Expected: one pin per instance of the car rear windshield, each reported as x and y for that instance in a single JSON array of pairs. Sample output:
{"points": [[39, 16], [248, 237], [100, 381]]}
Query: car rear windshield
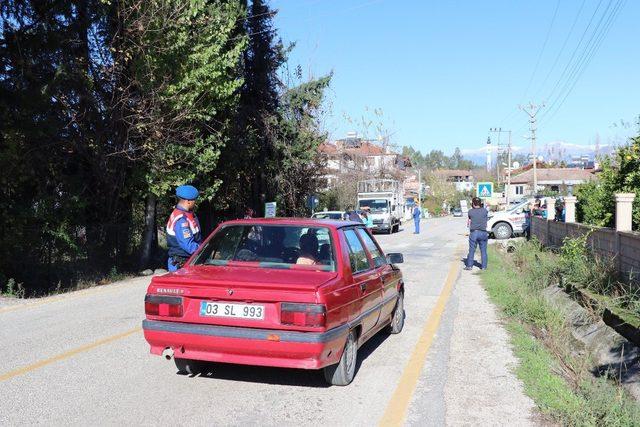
{"points": [[327, 215], [270, 246]]}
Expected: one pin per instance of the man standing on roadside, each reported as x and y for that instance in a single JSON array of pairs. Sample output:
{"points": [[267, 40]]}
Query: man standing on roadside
{"points": [[478, 235], [417, 213], [183, 228]]}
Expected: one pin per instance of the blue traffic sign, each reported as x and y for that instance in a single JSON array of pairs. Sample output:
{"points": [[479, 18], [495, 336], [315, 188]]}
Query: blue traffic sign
{"points": [[313, 201], [484, 190]]}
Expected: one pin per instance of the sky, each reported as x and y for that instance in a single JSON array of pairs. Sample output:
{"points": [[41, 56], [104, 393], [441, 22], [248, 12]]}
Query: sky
{"points": [[444, 72]]}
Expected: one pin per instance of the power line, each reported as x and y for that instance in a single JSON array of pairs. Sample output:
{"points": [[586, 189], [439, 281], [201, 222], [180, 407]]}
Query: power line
{"points": [[561, 51], [575, 51], [544, 45], [580, 66], [587, 59], [513, 112]]}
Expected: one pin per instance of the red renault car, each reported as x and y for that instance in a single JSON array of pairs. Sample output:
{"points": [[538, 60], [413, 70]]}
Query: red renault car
{"points": [[296, 293]]}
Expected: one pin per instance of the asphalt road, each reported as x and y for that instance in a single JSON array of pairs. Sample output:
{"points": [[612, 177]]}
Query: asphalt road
{"points": [[81, 358]]}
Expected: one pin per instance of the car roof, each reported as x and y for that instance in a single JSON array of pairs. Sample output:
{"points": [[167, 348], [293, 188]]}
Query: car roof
{"points": [[300, 222]]}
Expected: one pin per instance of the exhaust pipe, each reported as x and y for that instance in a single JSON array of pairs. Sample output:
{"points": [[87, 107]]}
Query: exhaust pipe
{"points": [[167, 353]]}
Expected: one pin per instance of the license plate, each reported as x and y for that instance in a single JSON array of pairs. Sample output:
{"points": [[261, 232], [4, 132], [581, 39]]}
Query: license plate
{"points": [[241, 311]]}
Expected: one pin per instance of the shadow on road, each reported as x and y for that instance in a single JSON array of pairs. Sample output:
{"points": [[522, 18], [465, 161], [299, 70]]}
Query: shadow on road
{"points": [[280, 376], [476, 263]]}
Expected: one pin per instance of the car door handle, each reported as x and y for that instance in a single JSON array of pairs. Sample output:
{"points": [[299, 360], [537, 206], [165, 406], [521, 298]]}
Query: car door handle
{"points": [[363, 286]]}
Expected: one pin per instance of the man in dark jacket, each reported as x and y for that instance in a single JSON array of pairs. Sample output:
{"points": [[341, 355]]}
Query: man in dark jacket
{"points": [[478, 235]]}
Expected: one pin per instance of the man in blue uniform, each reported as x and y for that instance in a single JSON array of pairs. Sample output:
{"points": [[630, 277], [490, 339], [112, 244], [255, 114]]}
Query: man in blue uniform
{"points": [[416, 214], [183, 228]]}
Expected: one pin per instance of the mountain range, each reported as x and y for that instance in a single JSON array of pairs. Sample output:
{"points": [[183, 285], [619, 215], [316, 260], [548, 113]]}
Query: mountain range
{"points": [[556, 150]]}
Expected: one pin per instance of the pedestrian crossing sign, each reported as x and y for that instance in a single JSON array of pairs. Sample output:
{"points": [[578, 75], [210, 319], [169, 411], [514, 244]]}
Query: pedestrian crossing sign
{"points": [[484, 190]]}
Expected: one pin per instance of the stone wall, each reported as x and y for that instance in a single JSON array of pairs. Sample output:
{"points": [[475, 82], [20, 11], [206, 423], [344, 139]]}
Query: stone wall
{"points": [[621, 246]]}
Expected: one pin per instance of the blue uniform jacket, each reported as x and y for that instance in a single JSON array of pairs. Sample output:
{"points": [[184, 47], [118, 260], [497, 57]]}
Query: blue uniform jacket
{"points": [[416, 213], [183, 233]]}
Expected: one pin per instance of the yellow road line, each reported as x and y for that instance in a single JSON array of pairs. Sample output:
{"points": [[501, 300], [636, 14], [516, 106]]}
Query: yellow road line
{"points": [[396, 410], [68, 296], [66, 355]]}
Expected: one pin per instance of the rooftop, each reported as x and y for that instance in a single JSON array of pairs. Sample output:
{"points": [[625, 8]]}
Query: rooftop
{"points": [[453, 172], [554, 174]]}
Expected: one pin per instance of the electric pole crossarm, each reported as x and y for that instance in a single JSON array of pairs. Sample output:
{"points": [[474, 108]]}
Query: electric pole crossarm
{"points": [[532, 111]]}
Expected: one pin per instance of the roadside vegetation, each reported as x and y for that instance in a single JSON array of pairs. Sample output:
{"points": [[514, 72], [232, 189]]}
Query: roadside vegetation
{"points": [[106, 106], [620, 173], [555, 376]]}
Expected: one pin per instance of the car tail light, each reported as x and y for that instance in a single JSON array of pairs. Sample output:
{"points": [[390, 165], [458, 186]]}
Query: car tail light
{"points": [[160, 305], [303, 314]]}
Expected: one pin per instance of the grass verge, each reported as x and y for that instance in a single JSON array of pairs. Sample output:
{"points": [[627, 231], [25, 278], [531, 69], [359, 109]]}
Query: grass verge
{"points": [[554, 376]]}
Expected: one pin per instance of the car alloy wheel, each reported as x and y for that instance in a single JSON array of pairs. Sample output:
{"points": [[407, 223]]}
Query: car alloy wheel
{"points": [[397, 321], [502, 231], [343, 372]]}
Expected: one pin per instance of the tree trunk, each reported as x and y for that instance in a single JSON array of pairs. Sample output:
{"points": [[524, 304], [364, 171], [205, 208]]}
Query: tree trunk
{"points": [[150, 236]]}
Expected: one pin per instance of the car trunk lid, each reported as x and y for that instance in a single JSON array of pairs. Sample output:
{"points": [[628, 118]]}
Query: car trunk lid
{"points": [[219, 294]]}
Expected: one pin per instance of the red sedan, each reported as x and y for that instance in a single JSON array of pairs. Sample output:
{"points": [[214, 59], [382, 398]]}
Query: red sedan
{"points": [[296, 293]]}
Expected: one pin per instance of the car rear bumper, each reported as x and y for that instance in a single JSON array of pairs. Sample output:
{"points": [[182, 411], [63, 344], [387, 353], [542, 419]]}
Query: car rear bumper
{"points": [[246, 346], [381, 226]]}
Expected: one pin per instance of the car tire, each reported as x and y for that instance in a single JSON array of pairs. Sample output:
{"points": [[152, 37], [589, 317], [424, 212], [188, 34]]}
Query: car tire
{"points": [[502, 231], [397, 319], [188, 366], [342, 373]]}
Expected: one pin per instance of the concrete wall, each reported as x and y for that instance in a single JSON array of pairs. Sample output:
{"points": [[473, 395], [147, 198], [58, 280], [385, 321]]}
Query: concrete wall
{"points": [[622, 247]]}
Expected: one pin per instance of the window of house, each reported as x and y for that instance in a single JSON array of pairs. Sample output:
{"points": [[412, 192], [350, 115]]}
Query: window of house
{"points": [[519, 189]]}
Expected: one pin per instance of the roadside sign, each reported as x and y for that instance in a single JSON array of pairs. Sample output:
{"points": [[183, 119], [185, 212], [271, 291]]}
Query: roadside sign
{"points": [[484, 190], [270, 210], [312, 201]]}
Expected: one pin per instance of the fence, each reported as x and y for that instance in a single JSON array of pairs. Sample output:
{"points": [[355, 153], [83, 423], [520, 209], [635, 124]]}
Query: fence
{"points": [[621, 246]]}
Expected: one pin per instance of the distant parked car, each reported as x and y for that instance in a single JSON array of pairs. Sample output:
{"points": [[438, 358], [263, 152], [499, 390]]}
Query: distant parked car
{"points": [[293, 293], [328, 215], [457, 212]]}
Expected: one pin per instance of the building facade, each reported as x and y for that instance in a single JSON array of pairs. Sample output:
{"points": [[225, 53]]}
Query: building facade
{"points": [[562, 180]]}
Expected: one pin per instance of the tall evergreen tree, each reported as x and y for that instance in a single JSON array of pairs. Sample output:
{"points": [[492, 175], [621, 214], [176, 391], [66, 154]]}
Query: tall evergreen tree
{"points": [[178, 64], [248, 181]]}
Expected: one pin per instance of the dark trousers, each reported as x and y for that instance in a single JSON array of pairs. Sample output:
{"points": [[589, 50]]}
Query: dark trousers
{"points": [[478, 238]]}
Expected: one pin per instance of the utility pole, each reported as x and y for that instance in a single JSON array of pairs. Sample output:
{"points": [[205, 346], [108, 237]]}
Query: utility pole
{"points": [[509, 169], [420, 189], [532, 110], [508, 186], [488, 154]]}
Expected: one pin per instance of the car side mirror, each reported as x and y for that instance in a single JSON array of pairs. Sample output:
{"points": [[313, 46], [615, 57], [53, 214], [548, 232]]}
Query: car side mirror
{"points": [[395, 258]]}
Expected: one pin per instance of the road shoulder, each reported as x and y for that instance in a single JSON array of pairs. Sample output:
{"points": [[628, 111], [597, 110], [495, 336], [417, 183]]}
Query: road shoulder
{"points": [[481, 386]]}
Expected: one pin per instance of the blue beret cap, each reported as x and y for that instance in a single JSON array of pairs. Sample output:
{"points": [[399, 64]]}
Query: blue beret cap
{"points": [[187, 192]]}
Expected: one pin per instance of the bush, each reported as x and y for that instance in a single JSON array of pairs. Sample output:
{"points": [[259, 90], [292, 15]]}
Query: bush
{"points": [[620, 174]]}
